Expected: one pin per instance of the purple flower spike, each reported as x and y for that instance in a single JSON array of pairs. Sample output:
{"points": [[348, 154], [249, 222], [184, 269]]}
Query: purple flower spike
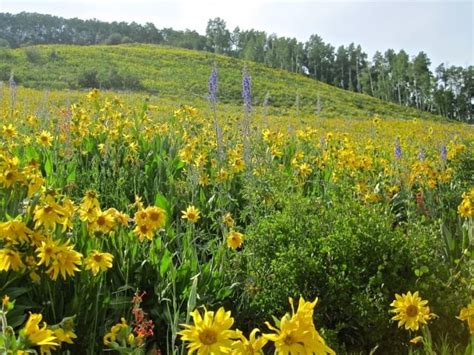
{"points": [[398, 150], [247, 89], [444, 153], [212, 85]]}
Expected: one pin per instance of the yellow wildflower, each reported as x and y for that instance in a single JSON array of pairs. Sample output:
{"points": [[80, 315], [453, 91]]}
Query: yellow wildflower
{"points": [[410, 310], [467, 314], [210, 334], [39, 336], [192, 214], [235, 239], [10, 259], [97, 261]]}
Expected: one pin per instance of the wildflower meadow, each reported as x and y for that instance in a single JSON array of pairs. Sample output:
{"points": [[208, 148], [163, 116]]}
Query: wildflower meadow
{"points": [[137, 224]]}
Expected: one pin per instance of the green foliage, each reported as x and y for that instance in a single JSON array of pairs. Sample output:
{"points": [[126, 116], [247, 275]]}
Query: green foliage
{"points": [[4, 43], [314, 235], [33, 55], [5, 71], [108, 78], [114, 39], [350, 256]]}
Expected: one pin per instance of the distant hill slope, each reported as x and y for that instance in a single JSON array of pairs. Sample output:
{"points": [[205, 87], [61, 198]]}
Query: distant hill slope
{"points": [[178, 72]]}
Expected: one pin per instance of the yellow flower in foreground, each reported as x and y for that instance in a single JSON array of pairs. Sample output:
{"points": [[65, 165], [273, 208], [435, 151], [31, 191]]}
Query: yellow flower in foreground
{"points": [[114, 332], [297, 334], [15, 232], [36, 182], [410, 310], [104, 222], [47, 251], [97, 261], [467, 314], [39, 336], [305, 170], [211, 334], [156, 216], [235, 239], [250, 346], [64, 336], [144, 231], [45, 139], [48, 216], [60, 259], [10, 259], [192, 214], [466, 208], [9, 131]]}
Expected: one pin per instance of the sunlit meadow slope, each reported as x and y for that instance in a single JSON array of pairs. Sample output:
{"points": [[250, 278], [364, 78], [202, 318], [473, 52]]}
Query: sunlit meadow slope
{"points": [[182, 74]]}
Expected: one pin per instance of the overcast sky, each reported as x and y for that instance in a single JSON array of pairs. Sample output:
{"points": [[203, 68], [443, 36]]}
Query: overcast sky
{"points": [[443, 28]]}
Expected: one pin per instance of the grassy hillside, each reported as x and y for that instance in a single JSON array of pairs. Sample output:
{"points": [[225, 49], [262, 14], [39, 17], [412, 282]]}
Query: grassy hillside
{"points": [[170, 72]]}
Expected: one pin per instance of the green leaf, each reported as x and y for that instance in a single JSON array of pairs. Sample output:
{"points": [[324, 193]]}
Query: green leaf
{"points": [[162, 202], [71, 177], [165, 262], [421, 271], [15, 292], [48, 167], [17, 316], [192, 297]]}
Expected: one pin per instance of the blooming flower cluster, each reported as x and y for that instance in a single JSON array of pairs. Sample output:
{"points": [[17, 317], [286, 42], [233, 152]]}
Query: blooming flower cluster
{"points": [[211, 333]]}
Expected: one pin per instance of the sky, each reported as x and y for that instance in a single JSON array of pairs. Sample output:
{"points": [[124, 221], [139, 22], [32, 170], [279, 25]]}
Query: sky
{"points": [[444, 29]]}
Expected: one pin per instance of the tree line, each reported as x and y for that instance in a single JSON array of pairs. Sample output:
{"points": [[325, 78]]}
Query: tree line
{"points": [[391, 76]]}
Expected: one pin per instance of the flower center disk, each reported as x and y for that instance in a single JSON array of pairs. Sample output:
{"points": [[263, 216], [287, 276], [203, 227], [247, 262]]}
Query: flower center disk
{"points": [[208, 337], [412, 311]]}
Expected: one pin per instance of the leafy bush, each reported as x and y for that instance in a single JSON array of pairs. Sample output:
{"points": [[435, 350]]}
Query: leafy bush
{"points": [[88, 79], [349, 256], [5, 71], [33, 55], [108, 79], [114, 39], [4, 43]]}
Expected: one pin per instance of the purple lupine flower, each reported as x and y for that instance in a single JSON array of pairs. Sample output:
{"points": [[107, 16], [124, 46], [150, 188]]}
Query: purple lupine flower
{"points": [[247, 89], [398, 149], [212, 85], [11, 82], [444, 152], [421, 154]]}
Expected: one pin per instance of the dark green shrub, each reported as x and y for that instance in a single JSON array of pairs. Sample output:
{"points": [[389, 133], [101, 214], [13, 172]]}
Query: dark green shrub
{"points": [[349, 256], [53, 55], [5, 71], [121, 80], [5, 54], [4, 43], [114, 39], [33, 55], [88, 79]]}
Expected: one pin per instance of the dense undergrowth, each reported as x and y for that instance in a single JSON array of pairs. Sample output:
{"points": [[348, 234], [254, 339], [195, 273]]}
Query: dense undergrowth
{"points": [[350, 211]]}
